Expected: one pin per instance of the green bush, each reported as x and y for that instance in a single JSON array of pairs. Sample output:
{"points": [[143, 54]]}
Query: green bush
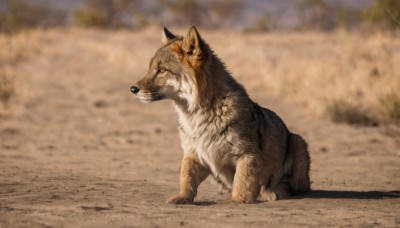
{"points": [[19, 15], [384, 14], [107, 13], [92, 17]]}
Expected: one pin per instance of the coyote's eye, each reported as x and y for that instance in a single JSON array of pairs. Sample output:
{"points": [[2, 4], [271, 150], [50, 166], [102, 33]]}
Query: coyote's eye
{"points": [[161, 70]]}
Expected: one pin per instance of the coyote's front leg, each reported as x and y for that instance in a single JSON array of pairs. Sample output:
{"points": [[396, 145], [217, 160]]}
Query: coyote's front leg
{"points": [[192, 174], [246, 184]]}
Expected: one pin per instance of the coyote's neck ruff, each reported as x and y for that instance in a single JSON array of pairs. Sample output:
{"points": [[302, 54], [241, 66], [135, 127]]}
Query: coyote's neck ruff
{"points": [[245, 147]]}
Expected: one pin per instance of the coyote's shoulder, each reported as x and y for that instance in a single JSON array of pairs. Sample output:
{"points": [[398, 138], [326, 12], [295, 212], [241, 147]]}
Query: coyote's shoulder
{"points": [[245, 147]]}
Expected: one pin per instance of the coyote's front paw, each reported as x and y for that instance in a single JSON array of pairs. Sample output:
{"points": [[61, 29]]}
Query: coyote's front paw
{"points": [[180, 199], [268, 195]]}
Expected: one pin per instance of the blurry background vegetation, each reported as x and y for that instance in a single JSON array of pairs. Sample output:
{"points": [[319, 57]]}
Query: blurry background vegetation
{"points": [[325, 15], [359, 17]]}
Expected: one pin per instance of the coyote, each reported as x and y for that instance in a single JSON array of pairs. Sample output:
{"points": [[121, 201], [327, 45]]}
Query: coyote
{"points": [[245, 147]]}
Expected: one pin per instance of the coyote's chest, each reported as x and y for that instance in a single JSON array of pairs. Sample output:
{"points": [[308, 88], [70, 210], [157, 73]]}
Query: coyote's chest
{"points": [[214, 152], [213, 149]]}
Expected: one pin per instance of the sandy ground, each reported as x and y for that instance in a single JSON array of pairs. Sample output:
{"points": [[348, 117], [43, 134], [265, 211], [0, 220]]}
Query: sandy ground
{"points": [[78, 150]]}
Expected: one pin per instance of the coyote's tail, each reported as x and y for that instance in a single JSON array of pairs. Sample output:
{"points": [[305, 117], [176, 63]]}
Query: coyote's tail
{"points": [[299, 181]]}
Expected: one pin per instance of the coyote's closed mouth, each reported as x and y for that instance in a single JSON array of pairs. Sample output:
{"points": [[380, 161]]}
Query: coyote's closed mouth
{"points": [[146, 97]]}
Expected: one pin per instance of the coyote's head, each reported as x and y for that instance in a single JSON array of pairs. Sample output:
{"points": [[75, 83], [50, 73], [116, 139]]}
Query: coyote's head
{"points": [[177, 71]]}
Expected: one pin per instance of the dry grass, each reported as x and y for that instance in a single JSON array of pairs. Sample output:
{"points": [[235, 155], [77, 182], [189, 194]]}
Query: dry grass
{"points": [[348, 77], [14, 49]]}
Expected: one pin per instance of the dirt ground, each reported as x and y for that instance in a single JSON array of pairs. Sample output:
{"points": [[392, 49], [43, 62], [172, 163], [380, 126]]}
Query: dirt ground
{"points": [[79, 150]]}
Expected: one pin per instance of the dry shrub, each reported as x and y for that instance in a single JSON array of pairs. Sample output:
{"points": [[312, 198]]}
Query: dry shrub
{"points": [[11, 53], [390, 105], [17, 47], [344, 112], [6, 88]]}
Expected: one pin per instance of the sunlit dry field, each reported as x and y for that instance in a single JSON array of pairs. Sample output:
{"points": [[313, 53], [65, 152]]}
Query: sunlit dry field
{"points": [[77, 148]]}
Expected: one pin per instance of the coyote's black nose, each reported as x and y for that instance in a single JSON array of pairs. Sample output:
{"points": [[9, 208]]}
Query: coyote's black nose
{"points": [[134, 89]]}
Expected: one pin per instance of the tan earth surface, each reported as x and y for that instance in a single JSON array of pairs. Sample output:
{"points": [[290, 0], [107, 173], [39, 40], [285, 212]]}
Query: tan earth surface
{"points": [[78, 149]]}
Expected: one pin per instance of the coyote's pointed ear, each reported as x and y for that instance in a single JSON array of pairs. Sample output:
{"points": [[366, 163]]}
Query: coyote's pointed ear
{"points": [[193, 45], [167, 36]]}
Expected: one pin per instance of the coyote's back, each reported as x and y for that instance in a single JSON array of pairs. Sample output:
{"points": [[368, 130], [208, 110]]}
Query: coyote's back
{"points": [[246, 148]]}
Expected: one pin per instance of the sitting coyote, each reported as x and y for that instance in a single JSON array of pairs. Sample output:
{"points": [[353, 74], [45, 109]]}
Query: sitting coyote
{"points": [[245, 147]]}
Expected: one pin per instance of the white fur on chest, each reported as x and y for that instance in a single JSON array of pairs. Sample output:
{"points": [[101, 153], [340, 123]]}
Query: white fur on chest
{"points": [[202, 137]]}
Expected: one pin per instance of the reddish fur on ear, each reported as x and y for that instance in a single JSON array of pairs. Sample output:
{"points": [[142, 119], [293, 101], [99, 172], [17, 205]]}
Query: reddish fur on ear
{"points": [[194, 65], [194, 48]]}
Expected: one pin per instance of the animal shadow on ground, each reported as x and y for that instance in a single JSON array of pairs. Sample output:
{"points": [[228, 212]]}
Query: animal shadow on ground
{"points": [[329, 194], [324, 194], [204, 203]]}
